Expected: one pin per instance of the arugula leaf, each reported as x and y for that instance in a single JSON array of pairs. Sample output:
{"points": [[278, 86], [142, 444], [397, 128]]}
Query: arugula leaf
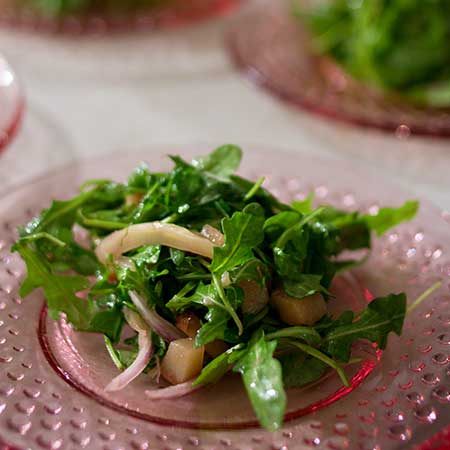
{"points": [[59, 290], [218, 317], [140, 178], [322, 357], [304, 285], [186, 183], [304, 206], [387, 218], [134, 279], [270, 203], [243, 232], [277, 224], [383, 315], [263, 380], [221, 162], [327, 324], [62, 212], [353, 232], [253, 269], [216, 327], [109, 323], [300, 369], [204, 295], [292, 248], [219, 366]]}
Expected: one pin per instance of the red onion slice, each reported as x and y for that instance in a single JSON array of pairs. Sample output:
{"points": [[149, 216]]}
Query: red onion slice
{"points": [[178, 390], [213, 235], [81, 236], [135, 321], [139, 364], [159, 325]]}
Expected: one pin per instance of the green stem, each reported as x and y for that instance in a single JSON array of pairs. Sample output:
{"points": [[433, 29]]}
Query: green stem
{"points": [[423, 296], [354, 361], [194, 276], [43, 235], [97, 183], [254, 189], [112, 353], [185, 290], [259, 316], [229, 308], [293, 332], [170, 219], [103, 224]]}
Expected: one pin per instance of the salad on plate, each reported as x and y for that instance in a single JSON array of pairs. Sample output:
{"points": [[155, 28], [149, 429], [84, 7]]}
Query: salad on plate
{"points": [[62, 8], [198, 272], [397, 46]]}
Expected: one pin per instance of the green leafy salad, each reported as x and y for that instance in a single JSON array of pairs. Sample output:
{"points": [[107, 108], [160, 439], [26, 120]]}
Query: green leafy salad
{"points": [[60, 8], [210, 273], [398, 46]]}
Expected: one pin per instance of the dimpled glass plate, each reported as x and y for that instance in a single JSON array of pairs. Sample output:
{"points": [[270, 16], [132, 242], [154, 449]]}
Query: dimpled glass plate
{"points": [[52, 378], [11, 103], [273, 49], [174, 13]]}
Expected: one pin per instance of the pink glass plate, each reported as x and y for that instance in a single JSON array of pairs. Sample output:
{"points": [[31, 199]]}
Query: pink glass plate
{"points": [[272, 49], [11, 103], [51, 380], [176, 13]]}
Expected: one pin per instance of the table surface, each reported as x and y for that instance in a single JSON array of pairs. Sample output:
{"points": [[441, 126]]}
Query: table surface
{"points": [[91, 96]]}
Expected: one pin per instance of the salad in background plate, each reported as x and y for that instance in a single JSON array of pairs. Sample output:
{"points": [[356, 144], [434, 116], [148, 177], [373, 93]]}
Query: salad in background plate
{"points": [[396, 46], [61, 8]]}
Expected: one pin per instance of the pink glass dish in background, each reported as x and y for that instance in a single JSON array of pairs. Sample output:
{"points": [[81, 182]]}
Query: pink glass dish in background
{"points": [[175, 14], [272, 48], [52, 378], [11, 103]]}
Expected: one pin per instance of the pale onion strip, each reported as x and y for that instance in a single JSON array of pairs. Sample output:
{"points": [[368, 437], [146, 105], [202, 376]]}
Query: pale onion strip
{"points": [[81, 236], [135, 321], [158, 369], [126, 263], [160, 325], [139, 364], [213, 235], [152, 233], [155, 372], [178, 390]]}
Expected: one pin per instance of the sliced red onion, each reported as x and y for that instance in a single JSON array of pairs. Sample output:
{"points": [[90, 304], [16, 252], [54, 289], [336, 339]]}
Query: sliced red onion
{"points": [[139, 364], [213, 235], [81, 236], [135, 321], [178, 390], [158, 369], [159, 325], [155, 373]]}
